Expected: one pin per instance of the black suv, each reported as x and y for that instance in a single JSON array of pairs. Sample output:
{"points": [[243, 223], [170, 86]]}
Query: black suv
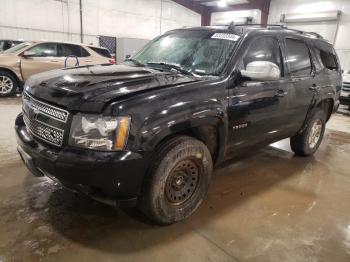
{"points": [[149, 131]]}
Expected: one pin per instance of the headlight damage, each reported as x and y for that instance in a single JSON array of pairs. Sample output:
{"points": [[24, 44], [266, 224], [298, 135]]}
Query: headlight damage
{"points": [[99, 132]]}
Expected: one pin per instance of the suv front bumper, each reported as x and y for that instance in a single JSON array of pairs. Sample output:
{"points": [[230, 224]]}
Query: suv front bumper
{"points": [[105, 176]]}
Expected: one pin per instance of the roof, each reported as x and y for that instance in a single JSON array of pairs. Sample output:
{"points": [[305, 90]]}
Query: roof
{"points": [[242, 29], [63, 42]]}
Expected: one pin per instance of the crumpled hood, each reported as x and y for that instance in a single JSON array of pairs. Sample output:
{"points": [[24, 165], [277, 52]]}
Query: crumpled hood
{"points": [[90, 88]]}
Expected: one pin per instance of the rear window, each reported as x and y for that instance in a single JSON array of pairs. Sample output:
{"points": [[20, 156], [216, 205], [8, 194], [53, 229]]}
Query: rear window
{"points": [[102, 51], [72, 50]]}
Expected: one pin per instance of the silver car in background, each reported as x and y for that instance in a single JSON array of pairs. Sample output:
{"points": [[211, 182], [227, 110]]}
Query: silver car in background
{"points": [[345, 92]]}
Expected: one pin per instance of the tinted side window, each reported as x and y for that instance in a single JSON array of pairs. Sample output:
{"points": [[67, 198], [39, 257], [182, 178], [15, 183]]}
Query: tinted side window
{"points": [[101, 51], [8, 44], [263, 49], [329, 60], [298, 58], [43, 50], [75, 50]]}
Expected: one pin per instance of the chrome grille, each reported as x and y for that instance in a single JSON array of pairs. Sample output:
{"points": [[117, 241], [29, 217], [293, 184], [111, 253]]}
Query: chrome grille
{"points": [[48, 133], [43, 120], [46, 109]]}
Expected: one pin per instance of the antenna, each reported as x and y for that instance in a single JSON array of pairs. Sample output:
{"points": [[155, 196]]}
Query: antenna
{"points": [[232, 26]]}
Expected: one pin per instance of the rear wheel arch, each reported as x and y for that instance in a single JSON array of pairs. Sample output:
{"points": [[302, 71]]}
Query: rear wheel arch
{"points": [[327, 106]]}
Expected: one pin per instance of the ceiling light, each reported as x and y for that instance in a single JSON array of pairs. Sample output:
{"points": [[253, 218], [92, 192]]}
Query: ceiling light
{"points": [[222, 3]]}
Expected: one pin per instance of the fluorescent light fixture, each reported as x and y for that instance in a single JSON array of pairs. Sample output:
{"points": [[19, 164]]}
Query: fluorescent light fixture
{"points": [[236, 20], [311, 17], [222, 3]]}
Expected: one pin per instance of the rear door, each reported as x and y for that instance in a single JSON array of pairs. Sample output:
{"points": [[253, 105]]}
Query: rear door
{"points": [[44, 58], [301, 74]]}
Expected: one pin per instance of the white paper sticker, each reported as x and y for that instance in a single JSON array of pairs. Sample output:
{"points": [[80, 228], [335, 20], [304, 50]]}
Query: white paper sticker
{"points": [[225, 36]]}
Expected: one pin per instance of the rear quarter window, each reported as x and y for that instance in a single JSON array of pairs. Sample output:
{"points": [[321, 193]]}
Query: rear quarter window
{"points": [[328, 60], [327, 56], [102, 51]]}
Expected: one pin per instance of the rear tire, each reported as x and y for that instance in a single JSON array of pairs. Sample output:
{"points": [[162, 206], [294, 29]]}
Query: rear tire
{"points": [[8, 84], [307, 142], [177, 181]]}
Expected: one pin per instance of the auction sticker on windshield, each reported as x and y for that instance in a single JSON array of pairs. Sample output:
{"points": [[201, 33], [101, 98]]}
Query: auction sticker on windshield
{"points": [[231, 37]]}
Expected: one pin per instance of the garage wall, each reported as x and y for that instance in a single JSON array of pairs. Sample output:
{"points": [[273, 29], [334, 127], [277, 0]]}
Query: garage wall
{"points": [[342, 42], [59, 19]]}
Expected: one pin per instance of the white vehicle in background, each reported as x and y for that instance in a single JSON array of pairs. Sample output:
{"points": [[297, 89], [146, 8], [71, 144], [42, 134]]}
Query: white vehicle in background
{"points": [[345, 92]]}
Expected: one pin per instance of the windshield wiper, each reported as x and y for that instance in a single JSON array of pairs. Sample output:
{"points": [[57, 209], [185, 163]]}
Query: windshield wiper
{"points": [[170, 66], [134, 61]]}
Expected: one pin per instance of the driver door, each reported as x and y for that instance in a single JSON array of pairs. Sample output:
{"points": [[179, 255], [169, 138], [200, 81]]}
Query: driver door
{"points": [[42, 57], [258, 110]]}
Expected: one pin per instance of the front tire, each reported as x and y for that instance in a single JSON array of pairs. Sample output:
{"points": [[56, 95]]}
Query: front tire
{"points": [[8, 84], [178, 180], [307, 142]]}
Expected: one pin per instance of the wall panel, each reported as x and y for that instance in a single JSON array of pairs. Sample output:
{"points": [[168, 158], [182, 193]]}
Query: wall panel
{"points": [[59, 19]]}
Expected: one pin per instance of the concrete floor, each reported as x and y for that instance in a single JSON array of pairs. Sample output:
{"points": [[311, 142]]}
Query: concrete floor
{"points": [[270, 206]]}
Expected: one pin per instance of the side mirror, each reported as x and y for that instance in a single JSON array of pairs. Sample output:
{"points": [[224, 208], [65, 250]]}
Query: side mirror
{"points": [[262, 71], [127, 56], [28, 54]]}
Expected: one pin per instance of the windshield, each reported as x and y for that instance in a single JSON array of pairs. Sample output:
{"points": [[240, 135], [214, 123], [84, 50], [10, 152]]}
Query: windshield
{"points": [[16, 48], [199, 52]]}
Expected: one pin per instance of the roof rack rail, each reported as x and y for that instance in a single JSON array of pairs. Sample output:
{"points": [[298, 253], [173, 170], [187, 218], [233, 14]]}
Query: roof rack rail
{"points": [[262, 25], [232, 26], [315, 34], [306, 33]]}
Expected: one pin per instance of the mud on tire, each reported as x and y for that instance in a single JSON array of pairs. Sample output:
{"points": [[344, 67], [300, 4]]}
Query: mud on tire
{"points": [[302, 143], [177, 181]]}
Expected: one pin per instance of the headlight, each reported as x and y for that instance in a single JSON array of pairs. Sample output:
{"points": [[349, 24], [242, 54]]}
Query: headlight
{"points": [[99, 132]]}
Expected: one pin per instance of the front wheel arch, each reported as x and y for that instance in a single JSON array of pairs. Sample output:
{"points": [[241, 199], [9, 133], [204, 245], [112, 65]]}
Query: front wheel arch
{"points": [[18, 82], [14, 79], [202, 130]]}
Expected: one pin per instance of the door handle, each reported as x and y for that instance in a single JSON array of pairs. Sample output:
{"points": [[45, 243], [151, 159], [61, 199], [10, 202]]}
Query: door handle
{"points": [[54, 61], [88, 61], [280, 93]]}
